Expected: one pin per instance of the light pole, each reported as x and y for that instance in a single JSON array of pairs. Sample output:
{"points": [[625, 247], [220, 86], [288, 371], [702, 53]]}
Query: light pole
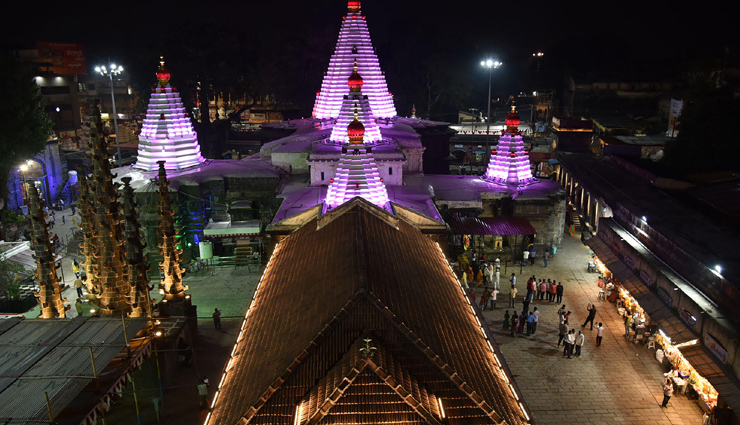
{"points": [[490, 64], [111, 70]]}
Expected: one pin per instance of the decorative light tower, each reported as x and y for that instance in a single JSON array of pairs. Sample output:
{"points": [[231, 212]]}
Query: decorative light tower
{"points": [[171, 282], [355, 106], [357, 174], [509, 163], [137, 263], [354, 42], [110, 268], [89, 236], [167, 133], [50, 294]]}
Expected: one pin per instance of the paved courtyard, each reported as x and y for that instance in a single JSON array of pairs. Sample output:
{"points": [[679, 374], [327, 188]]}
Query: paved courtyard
{"points": [[618, 383]]}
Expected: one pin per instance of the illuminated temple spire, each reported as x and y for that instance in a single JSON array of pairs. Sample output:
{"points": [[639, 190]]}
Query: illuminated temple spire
{"points": [[137, 262], [355, 106], [169, 267], [357, 173], [353, 43], [509, 162], [50, 294], [167, 133], [109, 269]]}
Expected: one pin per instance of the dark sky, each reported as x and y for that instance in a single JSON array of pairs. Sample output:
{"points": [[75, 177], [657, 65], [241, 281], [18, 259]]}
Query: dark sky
{"points": [[649, 35]]}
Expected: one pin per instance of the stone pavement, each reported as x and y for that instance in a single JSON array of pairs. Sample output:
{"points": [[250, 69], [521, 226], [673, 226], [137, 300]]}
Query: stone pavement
{"points": [[617, 383]]}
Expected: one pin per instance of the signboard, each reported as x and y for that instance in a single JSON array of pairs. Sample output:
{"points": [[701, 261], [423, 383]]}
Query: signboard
{"points": [[665, 297], [628, 261], [716, 348], [688, 318], [616, 248], [63, 58], [673, 117], [645, 278]]}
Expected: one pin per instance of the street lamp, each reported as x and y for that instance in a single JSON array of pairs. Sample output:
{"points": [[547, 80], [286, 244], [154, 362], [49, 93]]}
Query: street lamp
{"points": [[490, 64], [110, 71]]}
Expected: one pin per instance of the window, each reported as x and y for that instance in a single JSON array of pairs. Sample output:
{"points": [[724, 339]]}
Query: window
{"points": [[322, 176], [390, 171]]}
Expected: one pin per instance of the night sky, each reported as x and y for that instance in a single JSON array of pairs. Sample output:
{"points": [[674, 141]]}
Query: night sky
{"points": [[631, 37]]}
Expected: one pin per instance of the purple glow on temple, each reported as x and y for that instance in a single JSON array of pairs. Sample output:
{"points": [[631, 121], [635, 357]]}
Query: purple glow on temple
{"points": [[357, 175], [509, 162], [356, 106], [167, 133], [354, 43]]}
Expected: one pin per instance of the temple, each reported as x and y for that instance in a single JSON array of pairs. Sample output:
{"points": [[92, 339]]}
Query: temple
{"points": [[354, 44], [167, 133], [357, 174], [509, 162], [375, 344], [355, 106]]}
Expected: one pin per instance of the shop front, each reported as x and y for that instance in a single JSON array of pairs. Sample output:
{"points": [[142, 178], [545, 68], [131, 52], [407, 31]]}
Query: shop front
{"points": [[649, 309]]}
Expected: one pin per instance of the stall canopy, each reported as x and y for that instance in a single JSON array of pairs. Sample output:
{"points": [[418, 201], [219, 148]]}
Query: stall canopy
{"points": [[725, 384], [667, 321], [491, 226]]}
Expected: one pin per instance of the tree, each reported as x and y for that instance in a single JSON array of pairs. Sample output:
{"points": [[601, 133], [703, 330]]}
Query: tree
{"points": [[24, 125], [10, 277]]}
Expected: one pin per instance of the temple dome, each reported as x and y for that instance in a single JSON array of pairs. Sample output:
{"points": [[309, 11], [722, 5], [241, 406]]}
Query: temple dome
{"points": [[163, 74], [355, 131], [355, 80], [512, 121]]}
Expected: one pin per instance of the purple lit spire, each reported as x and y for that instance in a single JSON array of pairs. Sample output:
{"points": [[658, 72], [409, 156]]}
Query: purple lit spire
{"points": [[358, 102], [509, 162], [354, 43], [167, 133], [357, 173]]}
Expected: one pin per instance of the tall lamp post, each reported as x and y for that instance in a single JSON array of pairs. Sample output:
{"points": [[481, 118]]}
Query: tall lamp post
{"points": [[490, 64], [110, 71]]}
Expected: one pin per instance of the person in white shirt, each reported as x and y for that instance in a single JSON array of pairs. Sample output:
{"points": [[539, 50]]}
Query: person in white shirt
{"points": [[536, 320], [525, 257], [568, 342], [494, 295], [580, 339], [600, 334], [488, 272]]}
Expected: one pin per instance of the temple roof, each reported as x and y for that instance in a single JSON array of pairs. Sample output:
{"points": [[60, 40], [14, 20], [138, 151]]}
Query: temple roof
{"points": [[344, 284]]}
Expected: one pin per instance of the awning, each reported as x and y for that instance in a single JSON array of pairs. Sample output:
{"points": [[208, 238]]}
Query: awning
{"points": [[491, 226], [229, 229], [636, 288], [672, 326], [667, 321], [728, 387], [606, 255]]}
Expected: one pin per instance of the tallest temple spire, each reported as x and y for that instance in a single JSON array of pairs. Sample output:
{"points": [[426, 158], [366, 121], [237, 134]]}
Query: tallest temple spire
{"points": [[353, 43]]}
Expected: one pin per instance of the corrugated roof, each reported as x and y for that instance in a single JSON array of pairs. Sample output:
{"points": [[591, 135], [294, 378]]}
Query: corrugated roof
{"points": [[491, 226], [361, 271], [52, 356]]}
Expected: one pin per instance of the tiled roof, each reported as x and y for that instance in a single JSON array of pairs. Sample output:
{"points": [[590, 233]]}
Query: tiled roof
{"points": [[491, 226], [360, 272]]}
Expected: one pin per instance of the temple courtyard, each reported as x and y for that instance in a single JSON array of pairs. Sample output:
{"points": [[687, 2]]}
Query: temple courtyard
{"points": [[618, 383]]}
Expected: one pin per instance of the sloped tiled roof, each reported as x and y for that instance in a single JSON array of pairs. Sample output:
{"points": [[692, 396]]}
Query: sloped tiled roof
{"points": [[360, 272]]}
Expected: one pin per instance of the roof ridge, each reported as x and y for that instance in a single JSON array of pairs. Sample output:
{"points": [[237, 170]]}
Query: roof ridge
{"points": [[324, 406], [443, 365], [277, 384]]}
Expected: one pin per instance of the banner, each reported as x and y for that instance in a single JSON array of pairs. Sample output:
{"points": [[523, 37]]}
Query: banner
{"points": [[63, 58], [673, 117]]}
